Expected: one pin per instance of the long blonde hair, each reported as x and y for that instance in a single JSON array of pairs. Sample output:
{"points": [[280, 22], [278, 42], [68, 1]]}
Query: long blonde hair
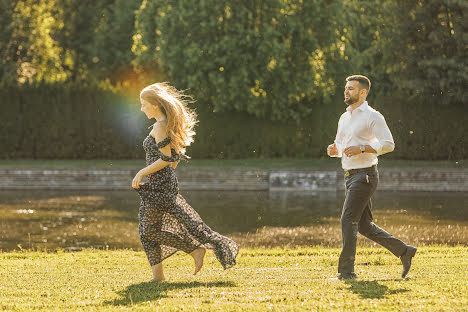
{"points": [[181, 119]]}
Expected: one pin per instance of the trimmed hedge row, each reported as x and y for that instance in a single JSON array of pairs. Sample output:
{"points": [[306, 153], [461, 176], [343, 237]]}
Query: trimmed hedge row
{"points": [[67, 122]]}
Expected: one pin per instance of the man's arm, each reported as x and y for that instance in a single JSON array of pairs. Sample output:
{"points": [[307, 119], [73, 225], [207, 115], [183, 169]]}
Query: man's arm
{"points": [[383, 142], [351, 151], [384, 139], [335, 149]]}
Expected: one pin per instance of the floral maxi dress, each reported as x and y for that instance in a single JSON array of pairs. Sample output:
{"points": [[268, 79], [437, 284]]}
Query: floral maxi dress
{"points": [[167, 223]]}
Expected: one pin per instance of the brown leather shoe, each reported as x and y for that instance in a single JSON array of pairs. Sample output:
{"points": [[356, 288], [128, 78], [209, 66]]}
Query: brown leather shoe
{"points": [[406, 259]]}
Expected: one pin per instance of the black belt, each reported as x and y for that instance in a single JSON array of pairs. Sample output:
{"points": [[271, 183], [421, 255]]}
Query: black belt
{"points": [[353, 171]]}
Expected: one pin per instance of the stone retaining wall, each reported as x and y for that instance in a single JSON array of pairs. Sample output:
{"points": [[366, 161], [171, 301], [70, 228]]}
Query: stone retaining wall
{"points": [[235, 179]]}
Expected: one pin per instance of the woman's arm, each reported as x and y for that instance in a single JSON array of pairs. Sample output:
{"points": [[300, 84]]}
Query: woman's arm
{"points": [[159, 133]]}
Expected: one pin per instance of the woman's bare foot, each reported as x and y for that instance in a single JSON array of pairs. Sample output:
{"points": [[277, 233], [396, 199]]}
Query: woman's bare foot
{"points": [[198, 256], [158, 274]]}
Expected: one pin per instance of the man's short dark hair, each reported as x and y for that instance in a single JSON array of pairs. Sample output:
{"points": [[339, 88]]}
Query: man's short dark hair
{"points": [[364, 82]]}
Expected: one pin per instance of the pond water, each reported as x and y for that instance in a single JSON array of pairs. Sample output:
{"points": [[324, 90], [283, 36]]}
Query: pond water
{"points": [[106, 219]]}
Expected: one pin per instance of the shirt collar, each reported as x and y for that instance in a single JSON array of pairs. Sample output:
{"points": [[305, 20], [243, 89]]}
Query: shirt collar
{"points": [[361, 107]]}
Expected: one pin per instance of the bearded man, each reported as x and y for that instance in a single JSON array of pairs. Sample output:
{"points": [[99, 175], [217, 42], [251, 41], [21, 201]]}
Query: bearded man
{"points": [[362, 135]]}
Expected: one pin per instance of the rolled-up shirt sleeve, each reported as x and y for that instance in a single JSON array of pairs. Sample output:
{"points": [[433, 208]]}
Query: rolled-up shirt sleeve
{"points": [[383, 142]]}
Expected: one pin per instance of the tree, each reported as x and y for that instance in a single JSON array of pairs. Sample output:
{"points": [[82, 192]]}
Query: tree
{"points": [[417, 47], [434, 33], [112, 42], [269, 58], [29, 52]]}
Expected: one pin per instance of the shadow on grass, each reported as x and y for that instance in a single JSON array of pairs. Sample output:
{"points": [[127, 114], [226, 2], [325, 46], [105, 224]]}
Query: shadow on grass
{"points": [[149, 291], [372, 289]]}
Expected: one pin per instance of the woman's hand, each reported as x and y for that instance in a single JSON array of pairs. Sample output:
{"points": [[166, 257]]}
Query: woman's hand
{"points": [[137, 180]]}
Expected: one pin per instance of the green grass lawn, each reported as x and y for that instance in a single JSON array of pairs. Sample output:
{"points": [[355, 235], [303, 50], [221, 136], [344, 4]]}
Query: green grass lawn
{"points": [[264, 280], [327, 163]]}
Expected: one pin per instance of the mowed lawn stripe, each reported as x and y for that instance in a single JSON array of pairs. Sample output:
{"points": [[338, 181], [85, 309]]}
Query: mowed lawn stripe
{"points": [[264, 279]]}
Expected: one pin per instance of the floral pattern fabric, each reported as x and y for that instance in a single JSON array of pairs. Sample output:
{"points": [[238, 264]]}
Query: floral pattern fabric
{"points": [[167, 223]]}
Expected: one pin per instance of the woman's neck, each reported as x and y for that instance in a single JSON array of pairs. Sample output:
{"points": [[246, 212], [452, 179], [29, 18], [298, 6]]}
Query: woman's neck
{"points": [[160, 118]]}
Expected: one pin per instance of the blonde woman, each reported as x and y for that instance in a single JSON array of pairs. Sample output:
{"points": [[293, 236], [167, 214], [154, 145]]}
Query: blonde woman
{"points": [[167, 222]]}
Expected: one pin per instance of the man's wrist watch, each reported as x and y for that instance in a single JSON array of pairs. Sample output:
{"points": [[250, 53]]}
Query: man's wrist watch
{"points": [[362, 148]]}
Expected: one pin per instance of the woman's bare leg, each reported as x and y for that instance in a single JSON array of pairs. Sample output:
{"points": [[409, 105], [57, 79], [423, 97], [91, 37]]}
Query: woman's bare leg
{"points": [[198, 255], [158, 274]]}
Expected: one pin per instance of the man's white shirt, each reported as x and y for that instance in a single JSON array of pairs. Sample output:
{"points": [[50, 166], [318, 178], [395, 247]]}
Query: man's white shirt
{"points": [[364, 125]]}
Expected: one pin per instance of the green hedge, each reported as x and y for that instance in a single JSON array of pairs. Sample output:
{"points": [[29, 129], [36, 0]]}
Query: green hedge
{"points": [[56, 121], [71, 122]]}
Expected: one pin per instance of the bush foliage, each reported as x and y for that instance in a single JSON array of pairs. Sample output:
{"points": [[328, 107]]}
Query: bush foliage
{"points": [[269, 58], [67, 121], [267, 75]]}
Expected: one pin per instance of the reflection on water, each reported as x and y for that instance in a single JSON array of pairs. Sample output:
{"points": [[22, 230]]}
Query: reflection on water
{"points": [[76, 219]]}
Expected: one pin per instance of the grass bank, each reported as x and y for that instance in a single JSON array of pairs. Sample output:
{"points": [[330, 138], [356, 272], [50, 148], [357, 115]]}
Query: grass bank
{"points": [[326, 163], [264, 279]]}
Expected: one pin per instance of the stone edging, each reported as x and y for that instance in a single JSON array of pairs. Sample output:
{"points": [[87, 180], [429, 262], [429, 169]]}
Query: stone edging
{"points": [[245, 179]]}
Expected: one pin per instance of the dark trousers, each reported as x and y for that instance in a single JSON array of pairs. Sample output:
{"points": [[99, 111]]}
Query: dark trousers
{"points": [[356, 217]]}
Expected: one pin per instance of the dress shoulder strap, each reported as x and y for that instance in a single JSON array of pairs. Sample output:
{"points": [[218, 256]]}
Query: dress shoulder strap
{"points": [[164, 142], [173, 158]]}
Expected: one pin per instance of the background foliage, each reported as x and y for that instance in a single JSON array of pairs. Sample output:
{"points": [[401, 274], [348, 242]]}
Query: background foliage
{"points": [[267, 75], [269, 58]]}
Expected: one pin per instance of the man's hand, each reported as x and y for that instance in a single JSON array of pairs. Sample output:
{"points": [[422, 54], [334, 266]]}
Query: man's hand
{"points": [[351, 151], [332, 150]]}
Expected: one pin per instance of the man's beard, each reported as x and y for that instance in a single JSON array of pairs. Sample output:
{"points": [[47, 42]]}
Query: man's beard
{"points": [[351, 100]]}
